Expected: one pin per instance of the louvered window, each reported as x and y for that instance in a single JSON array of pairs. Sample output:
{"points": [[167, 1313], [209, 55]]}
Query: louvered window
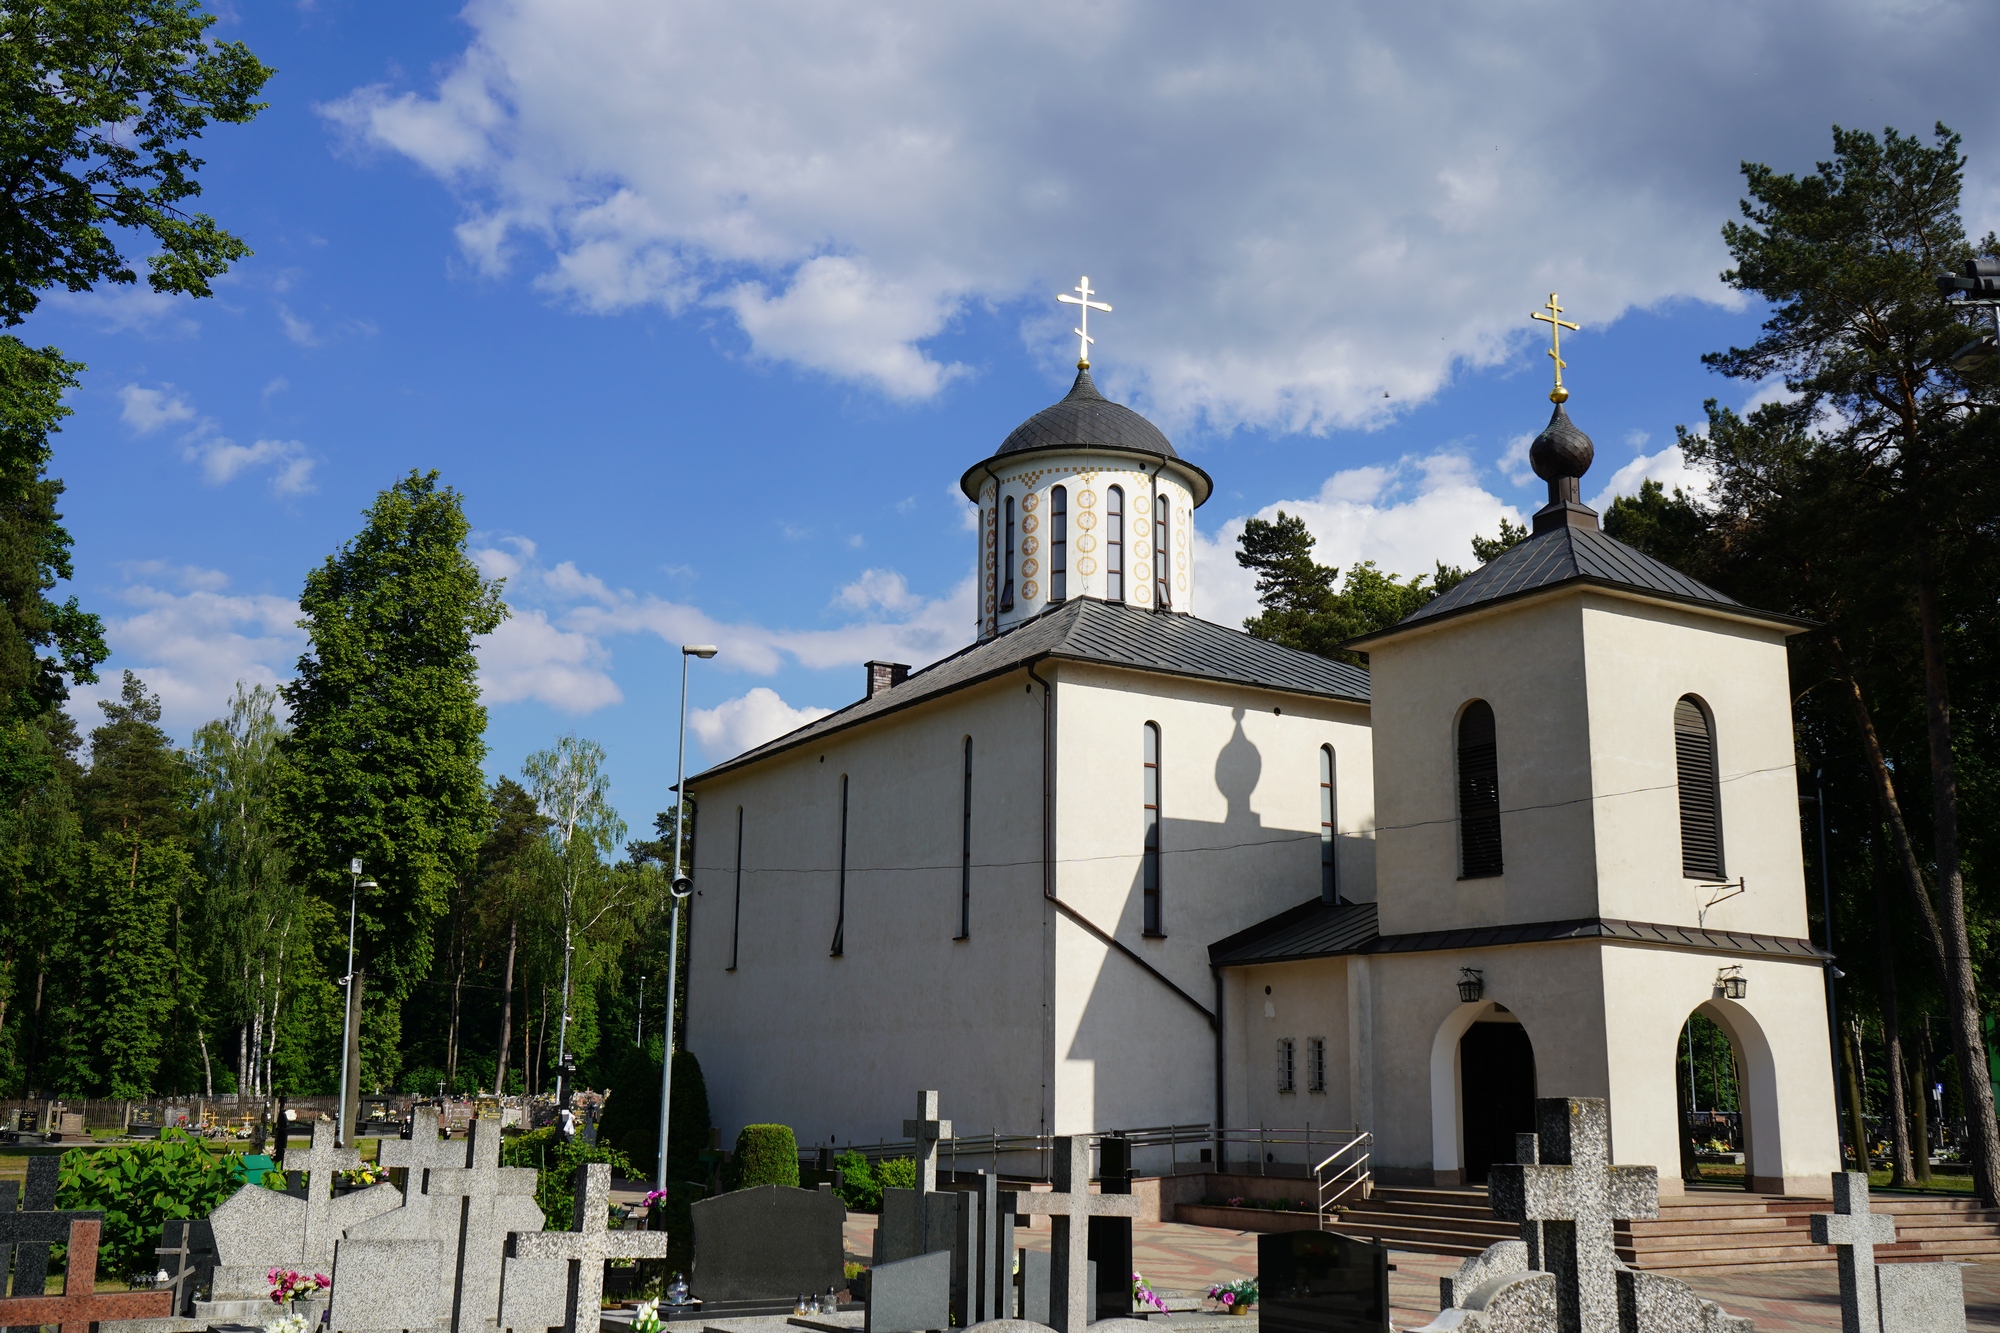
{"points": [[1478, 793], [1701, 821]]}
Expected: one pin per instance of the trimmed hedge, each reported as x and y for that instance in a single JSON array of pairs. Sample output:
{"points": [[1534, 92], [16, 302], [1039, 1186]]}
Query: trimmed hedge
{"points": [[631, 1120], [766, 1155]]}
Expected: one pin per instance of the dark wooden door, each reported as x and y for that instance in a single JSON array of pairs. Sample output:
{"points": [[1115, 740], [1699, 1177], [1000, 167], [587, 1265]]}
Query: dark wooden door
{"points": [[1496, 1079]]}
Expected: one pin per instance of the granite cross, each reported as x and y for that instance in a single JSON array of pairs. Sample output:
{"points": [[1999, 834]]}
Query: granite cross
{"points": [[493, 1200], [30, 1232], [927, 1129], [1070, 1206], [423, 1217], [1855, 1232], [587, 1247], [1576, 1194], [81, 1307], [322, 1159]]}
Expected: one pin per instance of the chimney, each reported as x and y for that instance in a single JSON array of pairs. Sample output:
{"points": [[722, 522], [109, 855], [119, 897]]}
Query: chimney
{"points": [[886, 676]]}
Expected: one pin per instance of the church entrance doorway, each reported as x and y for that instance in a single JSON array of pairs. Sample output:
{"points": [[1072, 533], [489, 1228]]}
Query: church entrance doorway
{"points": [[1496, 1079], [1708, 1082]]}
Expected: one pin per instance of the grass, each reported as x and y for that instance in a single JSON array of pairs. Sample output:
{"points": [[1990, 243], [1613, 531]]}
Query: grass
{"points": [[1939, 1183]]}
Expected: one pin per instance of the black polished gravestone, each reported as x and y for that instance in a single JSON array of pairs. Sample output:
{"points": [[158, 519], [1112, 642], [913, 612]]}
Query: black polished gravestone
{"points": [[1110, 1244], [1321, 1282], [768, 1243]]}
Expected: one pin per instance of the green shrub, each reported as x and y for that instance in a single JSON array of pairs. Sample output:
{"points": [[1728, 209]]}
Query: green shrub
{"points": [[631, 1120], [765, 1155], [140, 1187], [556, 1162], [859, 1189], [898, 1173]]}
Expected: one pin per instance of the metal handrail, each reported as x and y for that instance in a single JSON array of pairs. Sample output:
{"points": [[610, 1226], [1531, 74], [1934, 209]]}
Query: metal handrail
{"points": [[1337, 1182], [1311, 1140]]}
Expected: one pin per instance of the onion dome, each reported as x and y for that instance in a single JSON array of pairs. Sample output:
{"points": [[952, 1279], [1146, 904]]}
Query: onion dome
{"points": [[1560, 455]]}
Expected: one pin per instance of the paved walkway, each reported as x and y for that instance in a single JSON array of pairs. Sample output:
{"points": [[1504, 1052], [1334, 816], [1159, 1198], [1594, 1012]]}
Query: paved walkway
{"points": [[1187, 1259]]}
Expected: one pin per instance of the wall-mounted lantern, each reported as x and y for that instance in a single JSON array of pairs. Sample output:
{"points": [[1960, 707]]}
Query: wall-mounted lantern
{"points": [[1731, 983], [1471, 985]]}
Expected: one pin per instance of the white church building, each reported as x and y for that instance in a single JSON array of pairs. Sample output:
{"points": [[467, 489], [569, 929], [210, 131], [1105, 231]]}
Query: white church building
{"points": [[1112, 865]]}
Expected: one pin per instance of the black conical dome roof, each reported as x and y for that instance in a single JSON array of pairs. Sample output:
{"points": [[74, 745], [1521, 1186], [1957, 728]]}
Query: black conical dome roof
{"points": [[1085, 416]]}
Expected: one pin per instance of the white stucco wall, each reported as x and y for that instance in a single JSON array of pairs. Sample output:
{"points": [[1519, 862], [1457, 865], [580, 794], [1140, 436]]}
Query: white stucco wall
{"points": [[1528, 662], [1639, 659], [1240, 819], [837, 1048]]}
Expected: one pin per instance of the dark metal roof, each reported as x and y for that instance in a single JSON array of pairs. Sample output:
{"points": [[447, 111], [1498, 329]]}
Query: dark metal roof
{"points": [[1084, 629], [1572, 554], [1086, 419], [1085, 416], [1321, 930]]}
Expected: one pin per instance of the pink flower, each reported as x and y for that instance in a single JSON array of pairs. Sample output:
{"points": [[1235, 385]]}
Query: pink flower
{"points": [[1229, 1298]]}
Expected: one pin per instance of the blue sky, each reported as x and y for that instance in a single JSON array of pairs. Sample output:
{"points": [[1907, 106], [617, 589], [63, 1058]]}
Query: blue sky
{"points": [[704, 308]]}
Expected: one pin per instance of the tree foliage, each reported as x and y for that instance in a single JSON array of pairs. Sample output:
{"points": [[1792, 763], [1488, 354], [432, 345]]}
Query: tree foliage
{"points": [[99, 100]]}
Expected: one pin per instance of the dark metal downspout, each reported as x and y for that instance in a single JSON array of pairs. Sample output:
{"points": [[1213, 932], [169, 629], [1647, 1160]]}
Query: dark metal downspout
{"points": [[1048, 788], [1220, 1046], [1048, 886]]}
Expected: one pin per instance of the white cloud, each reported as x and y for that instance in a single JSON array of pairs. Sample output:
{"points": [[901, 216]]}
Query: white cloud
{"points": [[136, 308], [528, 658], [1666, 467], [146, 410], [191, 640], [1406, 518], [1295, 208], [222, 459], [298, 330], [747, 721], [561, 655]]}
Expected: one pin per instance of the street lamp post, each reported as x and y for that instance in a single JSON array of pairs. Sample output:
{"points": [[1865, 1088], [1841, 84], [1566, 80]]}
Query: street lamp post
{"points": [[639, 1024], [680, 887], [341, 1135]]}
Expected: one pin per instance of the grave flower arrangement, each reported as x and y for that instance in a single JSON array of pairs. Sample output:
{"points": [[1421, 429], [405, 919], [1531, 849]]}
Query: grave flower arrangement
{"points": [[646, 1319], [291, 1323], [1142, 1292], [288, 1284], [1239, 1294]]}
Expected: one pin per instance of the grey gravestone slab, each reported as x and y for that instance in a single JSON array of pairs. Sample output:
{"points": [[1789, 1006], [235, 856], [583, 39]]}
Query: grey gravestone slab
{"points": [[910, 1295], [493, 1202], [1505, 1256], [1321, 1282], [926, 1130], [534, 1294], [1010, 1326], [1069, 1206], [770, 1241], [1922, 1297], [368, 1257], [1035, 1271], [986, 1239], [387, 1286], [258, 1229]]}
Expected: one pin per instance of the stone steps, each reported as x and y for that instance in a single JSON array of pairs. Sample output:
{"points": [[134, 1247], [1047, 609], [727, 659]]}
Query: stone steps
{"points": [[1695, 1233]]}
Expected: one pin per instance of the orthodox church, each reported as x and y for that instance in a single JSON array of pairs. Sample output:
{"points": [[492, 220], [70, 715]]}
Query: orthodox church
{"points": [[1112, 865]]}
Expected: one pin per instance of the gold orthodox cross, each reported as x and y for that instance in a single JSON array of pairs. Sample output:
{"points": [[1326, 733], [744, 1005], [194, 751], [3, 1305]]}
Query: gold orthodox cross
{"points": [[1082, 331], [1557, 324]]}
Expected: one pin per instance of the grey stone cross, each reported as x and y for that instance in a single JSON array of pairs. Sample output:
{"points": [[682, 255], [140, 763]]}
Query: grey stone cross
{"points": [[1855, 1232], [1070, 1206], [321, 1161], [1575, 1194], [493, 1200], [587, 1247], [927, 1129]]}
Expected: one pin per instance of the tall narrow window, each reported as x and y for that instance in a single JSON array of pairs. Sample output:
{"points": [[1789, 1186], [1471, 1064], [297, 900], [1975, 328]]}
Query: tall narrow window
{"points": [[1007, 557], [1058, 543], [1701, 821], [1329, 881], [1114, 544], [1285, 1065], [1150, 872], [1315, 1064], [965, 851], [1478, 793], [840, 912], [1163, 552], [736, 926]]}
